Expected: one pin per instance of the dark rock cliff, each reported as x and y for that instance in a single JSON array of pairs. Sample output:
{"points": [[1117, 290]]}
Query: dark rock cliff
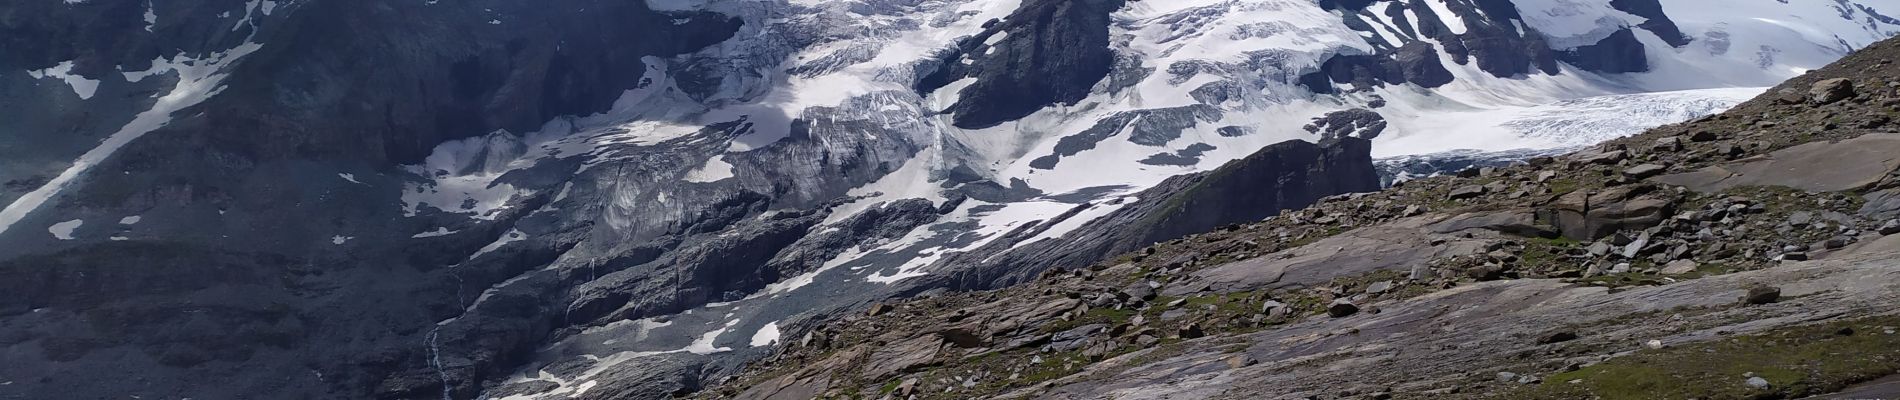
{"points": [[1283, 176], [230, 283], [1495, 38], [1053, 52]]}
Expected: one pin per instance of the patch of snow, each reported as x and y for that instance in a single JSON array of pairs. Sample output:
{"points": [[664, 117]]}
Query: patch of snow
{"points": [[350, 177], [340, 239], [439, 231], [131, 220], [512, 236], [1452, 21], [151, 16], [64, 71], [64, 230], [705, 343], [582, 389], [716, 169], [766, 336]]}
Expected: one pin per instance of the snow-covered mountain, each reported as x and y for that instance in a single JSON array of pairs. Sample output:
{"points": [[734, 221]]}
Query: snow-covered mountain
{"points": [[604, 198]]}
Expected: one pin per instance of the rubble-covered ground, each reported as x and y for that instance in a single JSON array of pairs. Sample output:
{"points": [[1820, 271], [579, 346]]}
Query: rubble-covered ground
{"points": [[1751, 254]]}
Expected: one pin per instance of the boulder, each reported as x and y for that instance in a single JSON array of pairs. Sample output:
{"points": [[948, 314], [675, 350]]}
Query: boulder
{"points": [[1274, 309], [1588, 216], [1605, 158], [1882, 204], [1144, 290], [1644, 171], [1467, 192], [1679, 267], [1341, 309], [1761, 295], [1668, 144], [1379, 287], [1831, 90]]}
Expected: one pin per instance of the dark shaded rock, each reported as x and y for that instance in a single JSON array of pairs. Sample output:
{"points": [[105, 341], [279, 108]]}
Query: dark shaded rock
{"points": [[1357, 122], [1341, 309], [1418, 63], [1185, 157], [1191, 331], [1234, 131], [1152, 127], [1621, 52], [1761, 295], [1055, 51], [1654, 20], [1557, 337]]}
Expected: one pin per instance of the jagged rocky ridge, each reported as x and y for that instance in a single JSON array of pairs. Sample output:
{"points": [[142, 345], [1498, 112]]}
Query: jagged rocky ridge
{"points": [[1740, 240], [319, 199]]}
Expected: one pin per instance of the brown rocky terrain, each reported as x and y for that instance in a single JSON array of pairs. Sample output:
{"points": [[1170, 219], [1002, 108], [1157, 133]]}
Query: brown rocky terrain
{"points": [[1751, 254]]}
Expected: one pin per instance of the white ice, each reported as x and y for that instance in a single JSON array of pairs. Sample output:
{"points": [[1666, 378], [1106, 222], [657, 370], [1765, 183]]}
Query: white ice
{"points": [[64, 230], [766, 336]]}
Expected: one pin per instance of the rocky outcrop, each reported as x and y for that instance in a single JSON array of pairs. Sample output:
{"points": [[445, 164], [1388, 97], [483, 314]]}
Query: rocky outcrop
{"points": [[1360, 123], [1284, 176], [1621, 52], [1853, 164], [1048, 52]]}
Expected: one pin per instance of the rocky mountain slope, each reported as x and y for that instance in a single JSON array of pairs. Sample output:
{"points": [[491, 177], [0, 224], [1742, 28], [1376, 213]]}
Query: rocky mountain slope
{"points": [[1750, 254], [603, 198]]}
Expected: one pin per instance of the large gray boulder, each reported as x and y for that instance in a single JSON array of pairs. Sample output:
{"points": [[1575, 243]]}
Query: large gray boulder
{"points": [[1588, 215]]}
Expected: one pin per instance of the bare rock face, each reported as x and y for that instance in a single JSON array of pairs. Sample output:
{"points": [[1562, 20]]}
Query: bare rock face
{"points": [[1851, 164], [1054, 51], [1593, 215]]}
